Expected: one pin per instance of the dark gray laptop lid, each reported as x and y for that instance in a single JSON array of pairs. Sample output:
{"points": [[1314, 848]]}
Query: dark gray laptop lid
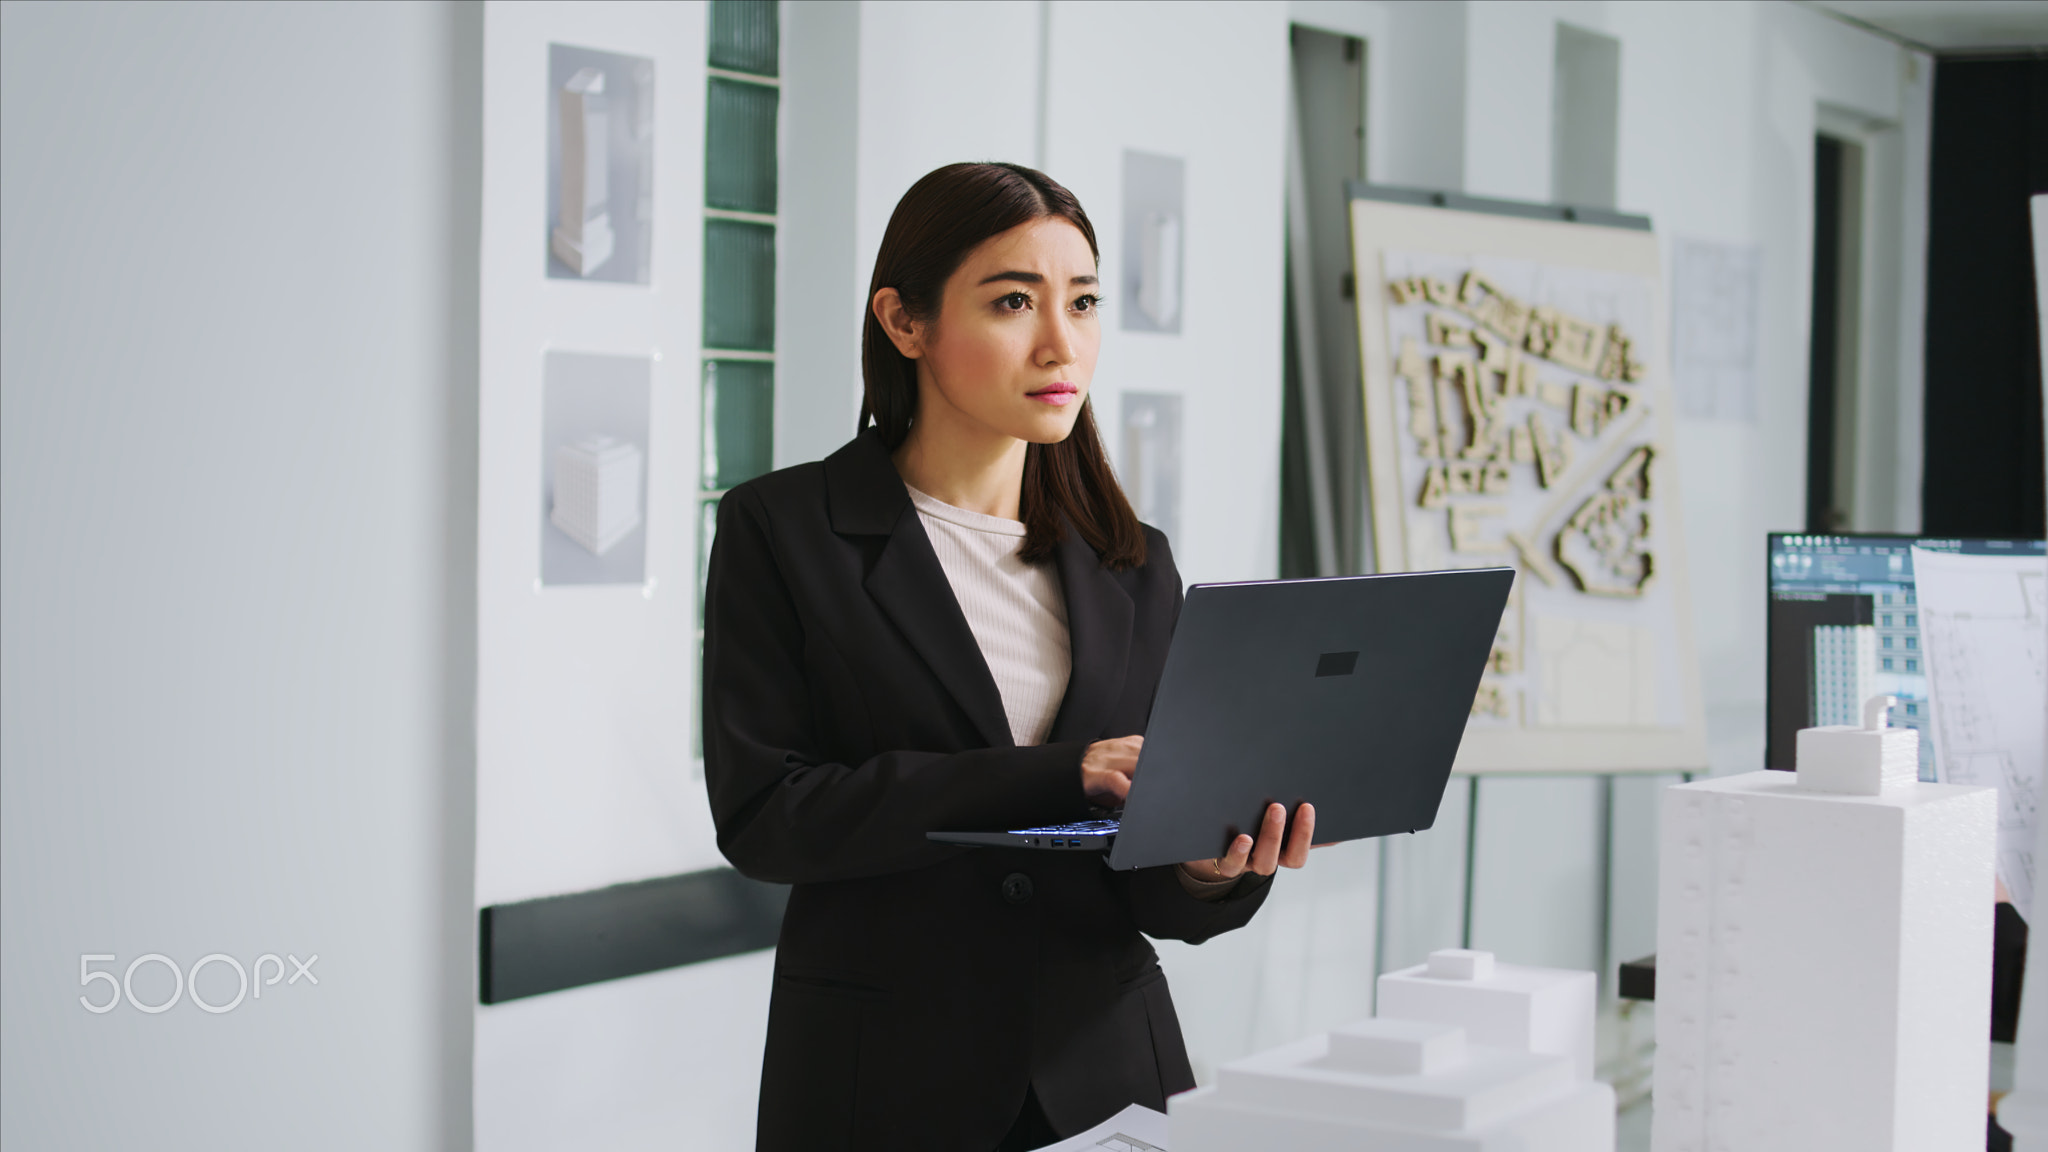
{"points": [[1350, 693]]}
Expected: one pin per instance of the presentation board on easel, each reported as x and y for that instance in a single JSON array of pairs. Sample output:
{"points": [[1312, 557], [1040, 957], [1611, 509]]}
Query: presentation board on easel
{"points": [[1518, 412]]}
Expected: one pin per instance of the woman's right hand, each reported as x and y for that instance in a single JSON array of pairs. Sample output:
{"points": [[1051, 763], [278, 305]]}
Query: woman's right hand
{"points": [[1107, 767]]}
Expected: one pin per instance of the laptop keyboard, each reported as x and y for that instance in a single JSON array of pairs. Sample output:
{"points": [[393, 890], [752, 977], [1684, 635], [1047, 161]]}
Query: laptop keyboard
{"points": [[1084, 828]]}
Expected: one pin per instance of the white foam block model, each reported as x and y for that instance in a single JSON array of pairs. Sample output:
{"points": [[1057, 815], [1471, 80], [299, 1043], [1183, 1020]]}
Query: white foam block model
{"points": [[1544, 1010], [583, 233], [1385, 1085], [1824, 956], [597, 491], [1858, 761]]}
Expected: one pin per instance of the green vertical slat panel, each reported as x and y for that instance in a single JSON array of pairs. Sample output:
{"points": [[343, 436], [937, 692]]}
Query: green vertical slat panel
{"points": [[739, 421], [707, 533], [739, 285], [739, 147], [744, 36]]}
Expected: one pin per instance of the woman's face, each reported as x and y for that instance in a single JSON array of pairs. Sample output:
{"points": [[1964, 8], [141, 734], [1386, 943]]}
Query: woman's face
{"points": [[1014, 346]]}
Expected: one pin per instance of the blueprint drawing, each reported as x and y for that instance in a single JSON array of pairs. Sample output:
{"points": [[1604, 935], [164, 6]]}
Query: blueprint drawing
{"points": [[1984, 620]]}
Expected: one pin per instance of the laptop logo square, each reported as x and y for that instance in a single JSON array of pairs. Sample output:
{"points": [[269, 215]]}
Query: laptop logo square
{"points": [[1336, 664]]}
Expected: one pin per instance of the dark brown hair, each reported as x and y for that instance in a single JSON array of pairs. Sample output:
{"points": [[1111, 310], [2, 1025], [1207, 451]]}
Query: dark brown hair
{"points": [[938, 222]]}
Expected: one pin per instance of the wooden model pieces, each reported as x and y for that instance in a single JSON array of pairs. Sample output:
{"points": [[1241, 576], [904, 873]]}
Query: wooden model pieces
{"points": [[1497, 357], [1466, 521], [1488, 477], [1435, 488], [1482, 299], [1633, 476], [1577, 344], [1446, 331], [1553, 451], [1460, 478], [1410, 363], [1533, 559], [1586, 405], [1461, 413], [1422, 417], [1521, 376], [1491, 701], [1605, 352], [1594, 408], [1618, 362], [1605, 545], [1460, 383], [1521, 445], [1453, 423]]}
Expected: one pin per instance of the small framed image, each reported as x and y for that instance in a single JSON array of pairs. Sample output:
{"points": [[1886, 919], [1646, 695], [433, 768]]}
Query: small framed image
{"points": [[593, 497], [1155, 198], [1151, 457], [600, 110]]}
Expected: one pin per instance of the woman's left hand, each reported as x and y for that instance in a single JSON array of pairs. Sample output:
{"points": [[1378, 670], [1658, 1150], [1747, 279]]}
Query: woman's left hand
{"points": [[1267, 853]]}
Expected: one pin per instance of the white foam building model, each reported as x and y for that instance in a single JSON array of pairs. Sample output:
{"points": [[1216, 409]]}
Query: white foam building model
{"points": [[583, 229], [1824, 954], [1547, 1010], [597, 491], [1476, 1057]]}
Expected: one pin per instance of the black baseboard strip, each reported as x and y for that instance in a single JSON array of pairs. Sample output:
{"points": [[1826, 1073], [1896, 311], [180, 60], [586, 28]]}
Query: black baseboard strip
{"points": [[559, 942]]}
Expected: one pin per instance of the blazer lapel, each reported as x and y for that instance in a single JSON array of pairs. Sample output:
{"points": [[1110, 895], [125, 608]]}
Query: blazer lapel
{"points": [[1099, 620], [867, 497], [911, 587]]}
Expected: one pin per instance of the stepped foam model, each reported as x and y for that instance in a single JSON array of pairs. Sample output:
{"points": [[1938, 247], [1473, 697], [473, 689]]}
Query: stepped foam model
{"points": [[1547, 1010], [1422, 1083], [1824, 954]]}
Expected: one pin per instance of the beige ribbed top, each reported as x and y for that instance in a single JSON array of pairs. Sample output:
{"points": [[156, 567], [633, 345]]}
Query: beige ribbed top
{"points": [[1018, 614], [1016, 610]]}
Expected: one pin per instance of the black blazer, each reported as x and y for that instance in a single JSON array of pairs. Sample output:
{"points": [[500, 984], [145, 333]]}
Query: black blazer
{"points": [[921, 988]]}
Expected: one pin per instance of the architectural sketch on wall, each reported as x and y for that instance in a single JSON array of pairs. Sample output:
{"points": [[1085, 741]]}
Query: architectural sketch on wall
{"points": [[1714, 313], [594, 425], [1516, 413], [1155, 197], [1984, 624], [600, 165]]}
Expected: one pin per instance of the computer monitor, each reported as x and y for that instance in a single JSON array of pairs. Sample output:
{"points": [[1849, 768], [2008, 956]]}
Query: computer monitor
{"points": [[1843, 626]]}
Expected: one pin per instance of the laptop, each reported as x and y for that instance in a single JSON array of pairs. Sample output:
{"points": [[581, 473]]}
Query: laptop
{"points": [[1348, 692]]}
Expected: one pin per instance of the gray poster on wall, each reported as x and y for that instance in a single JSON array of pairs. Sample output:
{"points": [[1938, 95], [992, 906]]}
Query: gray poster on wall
{"points": [[1151, 457], [593, 497], [1154, 211], [600, 113]]}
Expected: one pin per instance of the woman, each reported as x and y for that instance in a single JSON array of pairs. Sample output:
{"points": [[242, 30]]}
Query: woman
{"points": [[954, 622]]}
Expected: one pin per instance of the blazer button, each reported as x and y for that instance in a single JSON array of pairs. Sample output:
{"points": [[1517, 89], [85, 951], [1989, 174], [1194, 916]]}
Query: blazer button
{"points": [[1016, 888]]}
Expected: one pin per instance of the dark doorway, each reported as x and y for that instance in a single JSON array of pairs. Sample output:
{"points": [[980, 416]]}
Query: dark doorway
{"points": [[1323, 518], [1983, 426], [1830, 373]]}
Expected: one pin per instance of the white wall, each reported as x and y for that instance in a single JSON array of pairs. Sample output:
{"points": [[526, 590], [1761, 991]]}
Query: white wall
{"points": [[239, 312], [237, 404]]}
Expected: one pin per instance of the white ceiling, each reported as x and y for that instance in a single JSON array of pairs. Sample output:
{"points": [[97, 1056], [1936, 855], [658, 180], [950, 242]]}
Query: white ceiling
{"points": [[1951, 25]]}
